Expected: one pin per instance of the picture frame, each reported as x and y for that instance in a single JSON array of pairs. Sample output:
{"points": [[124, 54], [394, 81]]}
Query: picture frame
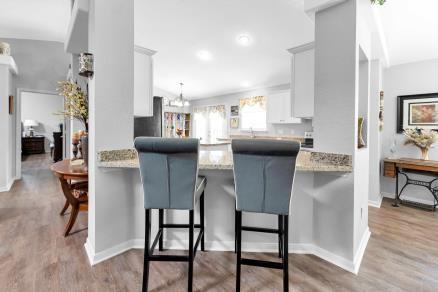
{"points": [[417, 111], [234, 111], [234, 123]]}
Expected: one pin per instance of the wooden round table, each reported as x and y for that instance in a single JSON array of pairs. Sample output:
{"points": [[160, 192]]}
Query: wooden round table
{"points": [[74, 183]]}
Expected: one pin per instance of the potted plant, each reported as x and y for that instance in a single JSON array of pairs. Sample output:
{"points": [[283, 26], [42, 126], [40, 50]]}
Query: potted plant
{"points": [[76, 107], [380, 2], [422, 138]]}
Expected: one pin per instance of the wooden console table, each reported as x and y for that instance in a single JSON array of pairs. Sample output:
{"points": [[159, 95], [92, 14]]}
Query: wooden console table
{"points": [[403, 166]]}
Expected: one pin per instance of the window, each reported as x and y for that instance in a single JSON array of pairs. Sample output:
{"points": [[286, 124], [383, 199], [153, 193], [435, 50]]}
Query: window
{"points": [[210, 123], [253, 113]]}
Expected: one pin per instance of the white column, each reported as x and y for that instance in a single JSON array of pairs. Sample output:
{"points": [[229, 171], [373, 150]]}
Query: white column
{"points": [[111, 41]]}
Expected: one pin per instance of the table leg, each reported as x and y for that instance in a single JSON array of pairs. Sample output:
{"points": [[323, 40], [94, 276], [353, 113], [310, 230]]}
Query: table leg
{"points": [[396, 189], [71, 221], [66, 205]]}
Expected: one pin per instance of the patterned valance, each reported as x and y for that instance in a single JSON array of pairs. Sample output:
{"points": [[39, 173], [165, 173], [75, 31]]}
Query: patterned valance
{"points": [[211, 109], [251, 101]]}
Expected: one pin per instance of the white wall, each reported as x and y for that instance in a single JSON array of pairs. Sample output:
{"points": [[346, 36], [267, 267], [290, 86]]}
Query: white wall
{"points": [[405, 79], [233, 99], [42, 108]]}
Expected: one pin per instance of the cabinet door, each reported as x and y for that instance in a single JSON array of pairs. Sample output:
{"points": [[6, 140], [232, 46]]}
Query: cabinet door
{"points": [[143, 85], [276, 111], [304, 75]]}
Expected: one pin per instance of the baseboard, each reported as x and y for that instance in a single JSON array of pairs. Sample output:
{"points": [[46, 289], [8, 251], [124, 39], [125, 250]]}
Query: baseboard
{"points": [[348, 265], [95, 258], [376, 204], [413, 199], [8, 186], [361, 251]]}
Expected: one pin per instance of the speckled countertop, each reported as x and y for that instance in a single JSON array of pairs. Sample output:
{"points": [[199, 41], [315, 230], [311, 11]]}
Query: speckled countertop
{"points": [[209, 160]]}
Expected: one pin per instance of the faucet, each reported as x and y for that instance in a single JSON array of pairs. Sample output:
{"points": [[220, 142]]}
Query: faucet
{"points": [[252, 132]]}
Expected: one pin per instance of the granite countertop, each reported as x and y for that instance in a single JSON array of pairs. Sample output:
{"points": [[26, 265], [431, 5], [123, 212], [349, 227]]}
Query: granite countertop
{"points": [[212, 159], [214, 142]]}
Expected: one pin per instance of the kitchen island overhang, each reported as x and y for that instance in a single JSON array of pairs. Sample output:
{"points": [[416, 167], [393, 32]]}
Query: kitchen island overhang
{"points": [[327, 234]]}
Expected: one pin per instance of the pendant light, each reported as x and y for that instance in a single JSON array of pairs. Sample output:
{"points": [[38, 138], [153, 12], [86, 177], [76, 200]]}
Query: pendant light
{"points": [[180, 101]]}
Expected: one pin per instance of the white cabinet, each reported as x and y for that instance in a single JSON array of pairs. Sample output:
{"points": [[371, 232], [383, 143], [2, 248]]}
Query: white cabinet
{"points": [[303, 80], [278, 109], [143, 82]]}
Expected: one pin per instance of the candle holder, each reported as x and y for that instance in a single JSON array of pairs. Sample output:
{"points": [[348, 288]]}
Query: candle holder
{"points": [[75, 149]]}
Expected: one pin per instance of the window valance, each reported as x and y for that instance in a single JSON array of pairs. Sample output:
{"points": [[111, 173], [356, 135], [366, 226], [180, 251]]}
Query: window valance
{"points": [[252, 101]]}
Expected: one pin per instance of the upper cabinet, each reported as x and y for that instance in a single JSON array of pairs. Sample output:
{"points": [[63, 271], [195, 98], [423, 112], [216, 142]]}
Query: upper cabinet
{"points": [[279, 109], [303, 80], [143, 82]]}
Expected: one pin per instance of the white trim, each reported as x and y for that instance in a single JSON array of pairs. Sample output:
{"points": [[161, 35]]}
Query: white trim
{"points": [[346, 264], [378, 203], [409, 198], [8, 186], [361, 250], [144, 51], [302, 48], [10, 62]]}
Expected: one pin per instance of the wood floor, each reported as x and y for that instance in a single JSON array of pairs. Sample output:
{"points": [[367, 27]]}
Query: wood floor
{"points": [[402, 254]]}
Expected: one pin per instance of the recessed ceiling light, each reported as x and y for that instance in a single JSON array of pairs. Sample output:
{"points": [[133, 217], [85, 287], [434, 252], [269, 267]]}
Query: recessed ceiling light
{"points": [[244, 39], [245, 84], [204, 55]]}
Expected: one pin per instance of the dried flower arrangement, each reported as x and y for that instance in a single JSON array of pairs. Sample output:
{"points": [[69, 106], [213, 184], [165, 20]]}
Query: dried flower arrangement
{"points": [[422, 138], [381, 2], [75, 102]]}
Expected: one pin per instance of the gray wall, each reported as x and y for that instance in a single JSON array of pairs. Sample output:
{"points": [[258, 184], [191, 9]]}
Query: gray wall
{"points": [[42, 108], [41, 64], [412, 78]]}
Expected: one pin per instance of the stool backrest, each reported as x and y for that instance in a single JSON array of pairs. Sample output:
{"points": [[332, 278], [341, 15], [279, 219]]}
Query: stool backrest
{"points": [[263, 174], [168, 170]]}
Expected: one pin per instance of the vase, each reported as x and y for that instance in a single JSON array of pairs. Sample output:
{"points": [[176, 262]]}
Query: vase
{"points": [[424, 153], [84, 150]]}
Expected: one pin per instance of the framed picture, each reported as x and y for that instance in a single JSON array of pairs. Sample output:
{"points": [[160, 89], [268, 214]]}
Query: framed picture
{"points": [[381, 109], [234, 123], [234, 110], [11, 104], [417, 111]]}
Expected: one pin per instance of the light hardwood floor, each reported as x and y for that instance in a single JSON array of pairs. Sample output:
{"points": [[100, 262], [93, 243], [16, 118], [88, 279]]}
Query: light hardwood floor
{"points": [[402, 254]]}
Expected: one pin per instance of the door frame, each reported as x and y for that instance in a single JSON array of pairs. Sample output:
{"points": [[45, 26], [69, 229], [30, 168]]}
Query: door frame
{"points": [[18, 132]]}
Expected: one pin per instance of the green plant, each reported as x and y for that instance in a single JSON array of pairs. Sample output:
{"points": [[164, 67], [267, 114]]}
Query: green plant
{"points": [[75, 102], [380, 2]]}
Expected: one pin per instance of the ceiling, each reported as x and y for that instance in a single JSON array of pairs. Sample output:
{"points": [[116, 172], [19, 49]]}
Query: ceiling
{"points": [[411, 30], [179, 29], [34, 19]]}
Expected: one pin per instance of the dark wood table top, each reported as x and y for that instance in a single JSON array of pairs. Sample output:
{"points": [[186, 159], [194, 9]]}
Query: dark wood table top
{"points": [[64, 168]]}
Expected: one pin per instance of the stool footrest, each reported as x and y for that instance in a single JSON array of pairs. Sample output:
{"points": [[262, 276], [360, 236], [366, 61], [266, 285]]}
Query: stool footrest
{"points": [[264, 264], [179, 226], [259, 229]]}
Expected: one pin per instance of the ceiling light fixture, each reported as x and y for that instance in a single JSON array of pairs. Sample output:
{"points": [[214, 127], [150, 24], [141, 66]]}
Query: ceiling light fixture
{"points": [[180, 101], [245, 84], [244, 40], [204, 55]]}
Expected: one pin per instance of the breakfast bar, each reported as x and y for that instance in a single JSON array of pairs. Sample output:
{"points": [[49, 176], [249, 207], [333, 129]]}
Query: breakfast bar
{"points": [[314, 171]]}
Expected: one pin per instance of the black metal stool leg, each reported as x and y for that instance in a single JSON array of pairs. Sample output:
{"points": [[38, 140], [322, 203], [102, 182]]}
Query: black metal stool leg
{"points": [[146, 250], [239, 248], [202, 222], [280, 236], [285, 226], [191, 251], [235, 231], [160, 228]]}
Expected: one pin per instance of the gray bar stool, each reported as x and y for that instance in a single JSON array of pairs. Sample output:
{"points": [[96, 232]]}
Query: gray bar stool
{"points": [[169, 173], [263, 176]]}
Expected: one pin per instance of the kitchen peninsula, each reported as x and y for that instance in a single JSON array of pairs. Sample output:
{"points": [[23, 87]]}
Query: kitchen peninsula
{"points": [[217, 166]]}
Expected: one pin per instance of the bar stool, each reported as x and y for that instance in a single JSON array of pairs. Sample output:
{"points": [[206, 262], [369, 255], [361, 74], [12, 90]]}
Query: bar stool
{"points": [[169, 174], [263, 176]]}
